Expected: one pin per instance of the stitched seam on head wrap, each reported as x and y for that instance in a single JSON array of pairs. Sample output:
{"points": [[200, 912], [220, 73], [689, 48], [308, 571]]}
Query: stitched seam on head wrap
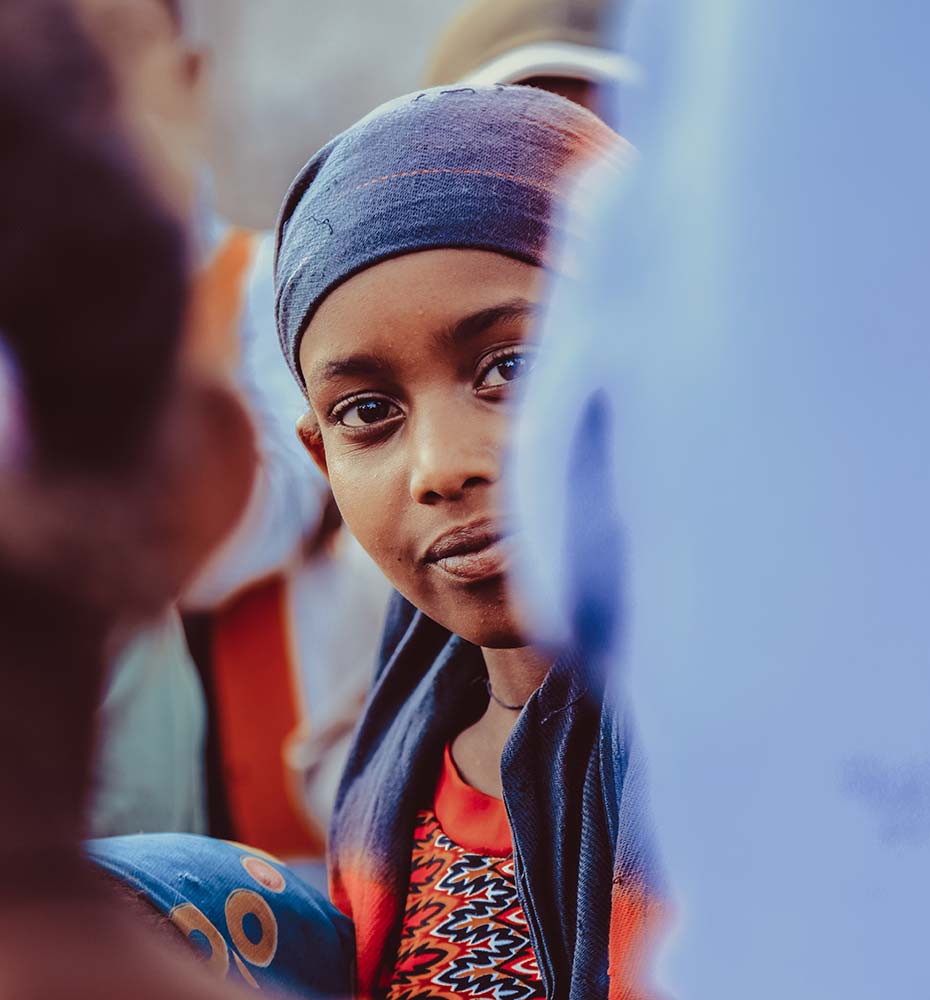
{"points": [[461, 170]]}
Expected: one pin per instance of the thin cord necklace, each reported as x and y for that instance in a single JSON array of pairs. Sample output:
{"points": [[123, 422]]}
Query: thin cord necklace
{"points": [[503, 704]]}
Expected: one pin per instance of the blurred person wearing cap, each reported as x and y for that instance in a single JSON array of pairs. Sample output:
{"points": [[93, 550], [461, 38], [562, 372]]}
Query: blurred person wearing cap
{"points": [[564, 46], [269, 603]]}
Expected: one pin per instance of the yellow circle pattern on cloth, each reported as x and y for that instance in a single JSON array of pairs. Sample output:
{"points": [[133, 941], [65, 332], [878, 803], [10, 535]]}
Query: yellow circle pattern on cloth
{"points": [[252, 927], [250, 918], [190, 921]]}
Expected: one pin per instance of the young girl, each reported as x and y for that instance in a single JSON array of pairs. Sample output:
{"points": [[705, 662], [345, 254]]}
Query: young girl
{"points": [[485, 841]]}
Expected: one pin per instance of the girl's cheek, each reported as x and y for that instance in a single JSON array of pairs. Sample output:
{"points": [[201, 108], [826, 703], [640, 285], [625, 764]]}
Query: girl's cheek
{"points": [[361, 507], [372, 493]]}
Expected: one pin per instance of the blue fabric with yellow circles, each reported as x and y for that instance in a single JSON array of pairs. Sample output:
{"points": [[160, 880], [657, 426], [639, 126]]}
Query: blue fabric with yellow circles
{"points": [[250, 916]]}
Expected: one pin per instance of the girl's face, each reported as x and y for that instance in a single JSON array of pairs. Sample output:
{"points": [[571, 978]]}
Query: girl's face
{"points": [[410, 368]]}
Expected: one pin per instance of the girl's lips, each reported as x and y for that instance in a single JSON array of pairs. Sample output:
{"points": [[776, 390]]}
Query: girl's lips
{"points": [[477, 564]]}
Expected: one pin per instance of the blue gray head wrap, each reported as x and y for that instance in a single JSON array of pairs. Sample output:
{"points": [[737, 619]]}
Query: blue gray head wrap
{"points": [[481, 168]]}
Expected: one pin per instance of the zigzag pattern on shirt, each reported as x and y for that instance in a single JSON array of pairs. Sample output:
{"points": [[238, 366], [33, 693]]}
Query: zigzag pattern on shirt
{"points": [[464, 933]]}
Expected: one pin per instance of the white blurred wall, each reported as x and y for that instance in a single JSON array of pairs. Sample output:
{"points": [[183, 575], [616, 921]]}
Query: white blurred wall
{"points": [[288, 74]]}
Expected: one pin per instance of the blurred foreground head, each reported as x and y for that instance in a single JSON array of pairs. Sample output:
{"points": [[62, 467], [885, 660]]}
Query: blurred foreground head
{"points": [[95, 459], [117, 474], [557, 45], [91, 297], [92, 267], [100, 512]]}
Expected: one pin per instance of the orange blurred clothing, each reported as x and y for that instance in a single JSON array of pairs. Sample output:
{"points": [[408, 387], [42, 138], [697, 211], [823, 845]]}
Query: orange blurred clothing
{"points": [[295, 606], [255, 683], [258, 706], [292, 661], [216, 304]]}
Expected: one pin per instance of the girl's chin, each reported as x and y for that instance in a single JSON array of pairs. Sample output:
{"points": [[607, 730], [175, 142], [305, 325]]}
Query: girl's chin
{"points": [[483, 615], [492, 629]]}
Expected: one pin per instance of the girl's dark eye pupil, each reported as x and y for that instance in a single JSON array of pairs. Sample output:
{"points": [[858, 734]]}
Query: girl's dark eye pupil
{"points": [[510, 368], [373, 410]]}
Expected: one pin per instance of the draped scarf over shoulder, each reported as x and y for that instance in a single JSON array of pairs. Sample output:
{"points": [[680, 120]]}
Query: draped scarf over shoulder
{"points": [[574, 793]]}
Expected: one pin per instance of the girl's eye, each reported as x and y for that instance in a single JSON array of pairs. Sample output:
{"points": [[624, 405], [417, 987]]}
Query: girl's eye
{"points": [[504, 370], [366, 412]]}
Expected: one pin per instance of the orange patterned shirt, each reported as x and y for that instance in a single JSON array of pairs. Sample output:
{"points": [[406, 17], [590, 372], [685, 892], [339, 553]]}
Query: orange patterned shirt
{"points": [[464, 932]]}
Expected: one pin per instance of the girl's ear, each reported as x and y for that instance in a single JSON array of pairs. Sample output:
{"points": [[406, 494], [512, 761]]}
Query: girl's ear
{"points": [[308, 430]]}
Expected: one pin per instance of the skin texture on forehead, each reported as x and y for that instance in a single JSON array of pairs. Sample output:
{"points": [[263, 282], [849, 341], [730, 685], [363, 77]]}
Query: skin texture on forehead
{"points": [[419, 333]]}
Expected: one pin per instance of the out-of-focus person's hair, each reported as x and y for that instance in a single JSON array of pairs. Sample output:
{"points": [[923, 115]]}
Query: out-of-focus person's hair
{"points": [[93, 286], [100, 513], [92, 293], [93, 300], [92, 278]]}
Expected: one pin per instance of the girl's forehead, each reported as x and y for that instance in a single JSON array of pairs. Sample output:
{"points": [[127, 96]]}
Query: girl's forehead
{"points": [[416, 296]]}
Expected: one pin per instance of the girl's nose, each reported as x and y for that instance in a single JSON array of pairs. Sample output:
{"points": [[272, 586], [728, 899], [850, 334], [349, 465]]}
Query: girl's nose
{"points": [[450, 454]]}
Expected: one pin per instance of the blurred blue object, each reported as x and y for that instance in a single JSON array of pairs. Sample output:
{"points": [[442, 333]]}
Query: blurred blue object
{"points": [[752, 312], [253, 920]]}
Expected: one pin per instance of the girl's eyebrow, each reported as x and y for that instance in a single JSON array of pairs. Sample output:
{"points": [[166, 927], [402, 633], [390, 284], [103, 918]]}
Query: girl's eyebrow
{"points": [[471, 326], [353, 364], [459, 333]]}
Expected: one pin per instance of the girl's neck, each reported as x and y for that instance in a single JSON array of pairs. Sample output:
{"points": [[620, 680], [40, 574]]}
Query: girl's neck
{"points": [[514, 674]]}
